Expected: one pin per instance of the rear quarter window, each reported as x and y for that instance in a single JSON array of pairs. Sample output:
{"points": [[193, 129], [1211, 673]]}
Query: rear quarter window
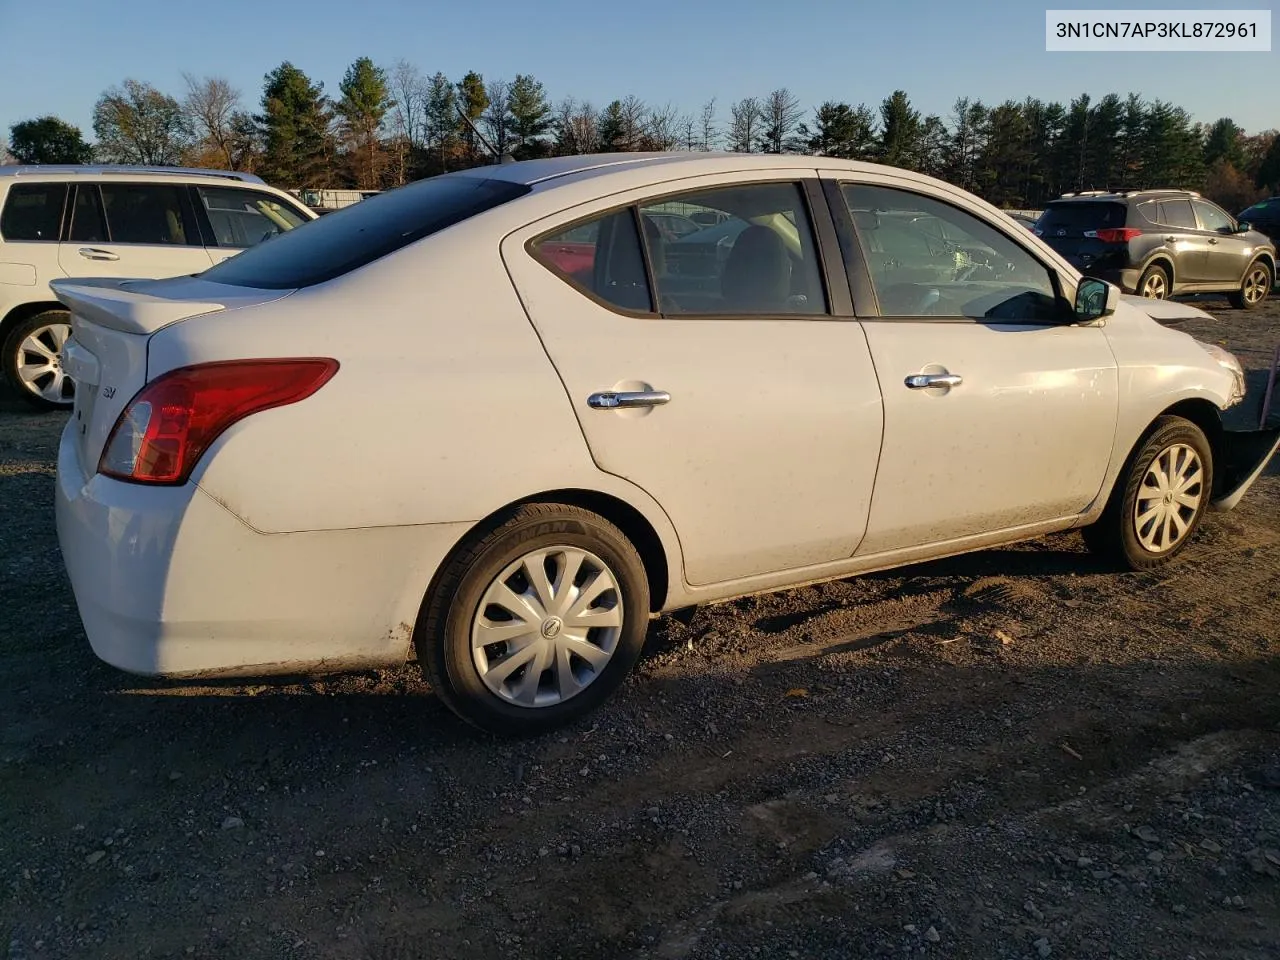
{"points": [[33, 211], [364, 232]]}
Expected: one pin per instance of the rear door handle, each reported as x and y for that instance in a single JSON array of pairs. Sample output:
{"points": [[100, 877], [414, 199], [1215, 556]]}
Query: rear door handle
{"points": [[919, 381], [609, 400], [93, 253], [1213, 239]]}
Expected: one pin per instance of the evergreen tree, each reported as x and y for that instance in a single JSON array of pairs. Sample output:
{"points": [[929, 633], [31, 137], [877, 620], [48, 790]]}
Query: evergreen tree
{"points": [[48, 140], [294, 126], [529, 117], [900, 131], [366, 99], [840, 130]]}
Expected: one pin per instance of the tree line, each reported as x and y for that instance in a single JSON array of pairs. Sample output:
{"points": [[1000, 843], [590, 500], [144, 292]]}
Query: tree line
{"points": [[388, 126]]}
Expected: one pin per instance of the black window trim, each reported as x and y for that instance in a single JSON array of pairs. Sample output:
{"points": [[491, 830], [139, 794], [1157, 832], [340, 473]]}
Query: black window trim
{"points": [[860, 274], [63, 218], [824, 245], [70, 221], [207, 236]]}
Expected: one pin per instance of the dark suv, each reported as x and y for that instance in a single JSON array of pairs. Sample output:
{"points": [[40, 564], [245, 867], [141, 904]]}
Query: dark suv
{"points": [[1264, 216], [1161, 243]]}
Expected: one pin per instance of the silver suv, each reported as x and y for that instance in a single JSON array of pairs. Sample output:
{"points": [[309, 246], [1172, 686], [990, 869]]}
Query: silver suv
{"points": [[104, 221], [1161, 243]]}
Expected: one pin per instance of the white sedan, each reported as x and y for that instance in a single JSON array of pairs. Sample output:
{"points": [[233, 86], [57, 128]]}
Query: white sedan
{"points": [[499, 419]]}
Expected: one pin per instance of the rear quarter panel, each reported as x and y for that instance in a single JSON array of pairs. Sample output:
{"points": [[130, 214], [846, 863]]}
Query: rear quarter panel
{"points": [[445, 408]]}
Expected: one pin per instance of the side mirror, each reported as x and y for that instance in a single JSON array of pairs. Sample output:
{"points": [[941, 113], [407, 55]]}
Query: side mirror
{"points": [[1095, 298], [1244, 226]]}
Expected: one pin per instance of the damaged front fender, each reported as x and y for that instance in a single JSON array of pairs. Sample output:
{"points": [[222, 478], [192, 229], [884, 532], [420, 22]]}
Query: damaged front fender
{"points": [[1243, 456]]}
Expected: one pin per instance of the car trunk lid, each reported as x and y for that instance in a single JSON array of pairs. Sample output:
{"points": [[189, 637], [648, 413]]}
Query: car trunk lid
{"points": [[112, 321]]}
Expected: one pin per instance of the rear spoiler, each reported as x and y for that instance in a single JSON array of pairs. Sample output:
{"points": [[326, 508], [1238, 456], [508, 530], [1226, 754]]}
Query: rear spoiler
{"points": [[145, 306]]}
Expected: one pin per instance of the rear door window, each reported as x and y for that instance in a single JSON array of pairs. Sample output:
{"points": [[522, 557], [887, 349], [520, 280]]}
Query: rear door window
{"points": [[1178, 213], [33, 212], [364, 232], [149, 213], [1072, 219], [87, 222]]}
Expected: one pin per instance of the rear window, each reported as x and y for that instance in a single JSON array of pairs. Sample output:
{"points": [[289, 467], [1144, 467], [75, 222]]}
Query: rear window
{"points": [[1076, 217], [362, 233], [33, 211]]}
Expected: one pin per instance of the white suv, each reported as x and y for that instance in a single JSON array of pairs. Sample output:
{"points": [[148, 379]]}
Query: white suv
{"points": [[105, 221]]}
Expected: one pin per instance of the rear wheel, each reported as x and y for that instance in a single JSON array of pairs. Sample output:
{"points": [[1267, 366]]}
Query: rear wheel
{"points": [[33, 360], [1154, 284], [1254, 288], [1159, 499], [536, 621]]}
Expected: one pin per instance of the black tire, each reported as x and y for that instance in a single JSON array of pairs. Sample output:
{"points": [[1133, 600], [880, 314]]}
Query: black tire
{"points": [[1155, 275], [1241, 298], [1115, 534], [12, 358], [443, 634]]}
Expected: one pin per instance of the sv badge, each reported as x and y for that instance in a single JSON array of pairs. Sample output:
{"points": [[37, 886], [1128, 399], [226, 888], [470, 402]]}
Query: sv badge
{"points": [[108, 392]]}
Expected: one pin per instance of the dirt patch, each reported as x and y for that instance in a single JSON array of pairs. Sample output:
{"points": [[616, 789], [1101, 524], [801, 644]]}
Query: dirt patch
{"points": [[1012, 754]]}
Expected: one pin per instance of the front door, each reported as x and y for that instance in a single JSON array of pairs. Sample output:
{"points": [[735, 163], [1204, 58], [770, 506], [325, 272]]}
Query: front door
{"points": [[708, 369], [237, 218], [1228, 253], [145, 230], [998, 415]]}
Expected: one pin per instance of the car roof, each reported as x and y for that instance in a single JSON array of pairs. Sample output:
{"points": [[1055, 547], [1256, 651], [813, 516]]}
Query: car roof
{"points": [[676, 163], [56, 171]]}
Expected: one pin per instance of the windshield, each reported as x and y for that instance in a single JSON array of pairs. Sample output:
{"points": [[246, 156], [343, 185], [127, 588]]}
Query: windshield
{"points": [[361, 233]]}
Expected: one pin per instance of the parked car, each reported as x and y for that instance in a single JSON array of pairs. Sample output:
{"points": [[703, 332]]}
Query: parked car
{"points": [[570, 453], [102, 221], [1161, 243], [1264, 216]]}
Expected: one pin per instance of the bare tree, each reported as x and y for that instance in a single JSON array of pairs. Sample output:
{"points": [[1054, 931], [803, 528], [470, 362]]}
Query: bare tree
{"points": [[409, 91], [210, 106], [780, 115], [688, 133], [633, 119], [495, 115], [744, 125], [586, 128], [663, 128], [710, 135]]}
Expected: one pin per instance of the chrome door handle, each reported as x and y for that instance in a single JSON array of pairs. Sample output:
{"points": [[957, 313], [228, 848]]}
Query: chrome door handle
{"points": [[920, 381], [1213, 239], [1170, 239], [93, 253], [609, 400]]}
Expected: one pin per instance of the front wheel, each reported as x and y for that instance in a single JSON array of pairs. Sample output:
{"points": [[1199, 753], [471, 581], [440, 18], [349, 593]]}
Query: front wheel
{"points": [[1159, 499], [1254, 288], [536, 620], [33, 360]]}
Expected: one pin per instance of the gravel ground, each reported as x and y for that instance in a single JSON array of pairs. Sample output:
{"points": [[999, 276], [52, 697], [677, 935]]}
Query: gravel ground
{"points": [[1011, 754]]}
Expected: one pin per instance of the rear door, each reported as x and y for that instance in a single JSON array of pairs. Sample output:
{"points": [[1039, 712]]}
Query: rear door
{"points": [[1183, 239], [236, 218], [123, 229], [998, 414], [1227, 253], [727, 386]]}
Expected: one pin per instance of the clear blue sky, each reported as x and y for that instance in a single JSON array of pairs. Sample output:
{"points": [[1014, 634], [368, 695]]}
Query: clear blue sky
{"points": [[57, 58]]}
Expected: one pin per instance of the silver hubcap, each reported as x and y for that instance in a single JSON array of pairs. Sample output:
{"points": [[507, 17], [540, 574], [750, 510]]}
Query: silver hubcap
{"points": [[1154, 287], [40, 363], [1255, 285], [1169, 498], [547, 626]]}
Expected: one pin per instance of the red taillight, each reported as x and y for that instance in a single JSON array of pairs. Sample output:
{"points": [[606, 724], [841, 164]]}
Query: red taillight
{"points": [[1118, 234], [164, 430]]}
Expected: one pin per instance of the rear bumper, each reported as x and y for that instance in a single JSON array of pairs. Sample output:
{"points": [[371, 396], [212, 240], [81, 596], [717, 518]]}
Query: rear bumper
{"points": [[170, 583]]}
